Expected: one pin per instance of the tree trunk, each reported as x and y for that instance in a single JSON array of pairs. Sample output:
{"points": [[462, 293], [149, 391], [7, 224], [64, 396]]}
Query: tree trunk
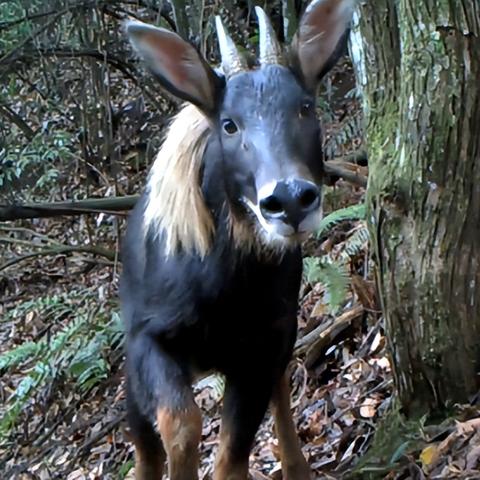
{"points": [[418, 64]]}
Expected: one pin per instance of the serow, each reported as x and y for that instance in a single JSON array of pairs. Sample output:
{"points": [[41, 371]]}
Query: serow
{"points": [[211, 257]]}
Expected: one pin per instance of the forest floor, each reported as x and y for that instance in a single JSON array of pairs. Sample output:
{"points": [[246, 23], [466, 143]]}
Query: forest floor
{"points": [[62, 413]]}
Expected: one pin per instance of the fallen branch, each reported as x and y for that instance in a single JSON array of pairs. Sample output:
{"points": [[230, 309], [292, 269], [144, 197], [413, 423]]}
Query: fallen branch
{"points": [[95, 438], [327, 338], [41, 236], [111, 205], [106, 429], [319, 339], [61, 250], [26, 243], [348, 169]]}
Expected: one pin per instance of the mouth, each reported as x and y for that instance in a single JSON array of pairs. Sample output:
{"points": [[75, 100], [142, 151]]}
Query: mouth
{"points": [[278, 231]]}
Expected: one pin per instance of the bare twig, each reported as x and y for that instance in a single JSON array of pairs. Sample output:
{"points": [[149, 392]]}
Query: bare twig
{"points": [[61, 250], [101, 56], [85, 448], [328, 336], [88, 4], [18, 121], [116, 62], [290, 21], [27, 231], [31, 37], [315, 342], [36, 16], [180, 16], [19, 241], [348, 169]]}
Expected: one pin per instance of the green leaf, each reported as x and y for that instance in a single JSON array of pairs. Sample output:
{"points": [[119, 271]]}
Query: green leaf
{"points": [[355, 243], [353, 212], [333, 275], [399, 452]]}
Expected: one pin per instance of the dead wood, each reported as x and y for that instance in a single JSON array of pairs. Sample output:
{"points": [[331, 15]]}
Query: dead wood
{"points": [[317, 341], [112, 205]]}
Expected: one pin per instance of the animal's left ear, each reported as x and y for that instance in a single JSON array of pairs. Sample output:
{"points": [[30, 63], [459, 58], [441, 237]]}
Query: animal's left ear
{"points": [[319, 36], [176, 63]]}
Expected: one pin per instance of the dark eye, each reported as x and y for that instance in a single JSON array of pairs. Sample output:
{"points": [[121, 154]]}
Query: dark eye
{"points": [[229, 126], [306, 109]]}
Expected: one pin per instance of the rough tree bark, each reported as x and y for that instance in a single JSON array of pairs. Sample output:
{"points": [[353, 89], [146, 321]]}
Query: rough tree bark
{"points": [[418, 64]]}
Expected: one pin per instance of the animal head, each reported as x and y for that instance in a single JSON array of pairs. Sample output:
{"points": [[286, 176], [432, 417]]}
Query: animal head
{"points": [[264, 118]]}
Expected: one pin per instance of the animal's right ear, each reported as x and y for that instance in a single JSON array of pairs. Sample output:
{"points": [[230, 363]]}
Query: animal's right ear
{"points": [[177, 64], [319, 35]]}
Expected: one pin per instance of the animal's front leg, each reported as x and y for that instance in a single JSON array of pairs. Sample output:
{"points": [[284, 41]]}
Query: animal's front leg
{"points": [[160, 390], [294, 465], [150, 455], [244, 405]]}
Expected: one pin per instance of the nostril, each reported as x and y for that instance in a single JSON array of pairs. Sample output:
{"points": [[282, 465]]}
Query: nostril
{"points": [[271, 205], [308, 198]]}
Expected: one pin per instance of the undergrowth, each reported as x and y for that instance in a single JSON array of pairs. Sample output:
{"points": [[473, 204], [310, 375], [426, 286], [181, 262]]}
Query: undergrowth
{"points": [[77, 352], [332, 269], [395, 438]]}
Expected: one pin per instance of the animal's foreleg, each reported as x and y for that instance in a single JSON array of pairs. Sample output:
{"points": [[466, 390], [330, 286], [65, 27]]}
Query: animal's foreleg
{"points": [[149, 452], [244, 406], [162, 392], [294, 465]]}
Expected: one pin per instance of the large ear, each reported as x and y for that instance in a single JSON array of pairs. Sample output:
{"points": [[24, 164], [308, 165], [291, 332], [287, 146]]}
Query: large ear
{"points": [[177, 64], [319, 37]]}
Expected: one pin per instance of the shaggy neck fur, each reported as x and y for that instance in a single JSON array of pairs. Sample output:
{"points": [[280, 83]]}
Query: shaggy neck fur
{"points": [[175, 204]]}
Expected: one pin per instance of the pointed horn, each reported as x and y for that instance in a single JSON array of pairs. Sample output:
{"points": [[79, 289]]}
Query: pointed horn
{"points": [[270, 49], [232, 62]]}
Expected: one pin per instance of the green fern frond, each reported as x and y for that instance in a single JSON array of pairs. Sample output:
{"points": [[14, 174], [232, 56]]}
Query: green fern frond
{"points": [[349, 129], [337, 281], [43, 371], [89, 366], [356, 243], [353, 212], [332, 270], [125, 469], [333, 275], [21, 354], [311, 269], [79, 351]]}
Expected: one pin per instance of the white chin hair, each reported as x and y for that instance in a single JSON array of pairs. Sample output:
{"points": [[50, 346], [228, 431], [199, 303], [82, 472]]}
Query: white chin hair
{"points": [[272, 237], [271, 234], [275, 239]]}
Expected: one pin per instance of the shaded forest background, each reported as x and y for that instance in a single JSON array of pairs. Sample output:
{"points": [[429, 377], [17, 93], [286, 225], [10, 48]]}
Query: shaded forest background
{"points": [[81, 119]]}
